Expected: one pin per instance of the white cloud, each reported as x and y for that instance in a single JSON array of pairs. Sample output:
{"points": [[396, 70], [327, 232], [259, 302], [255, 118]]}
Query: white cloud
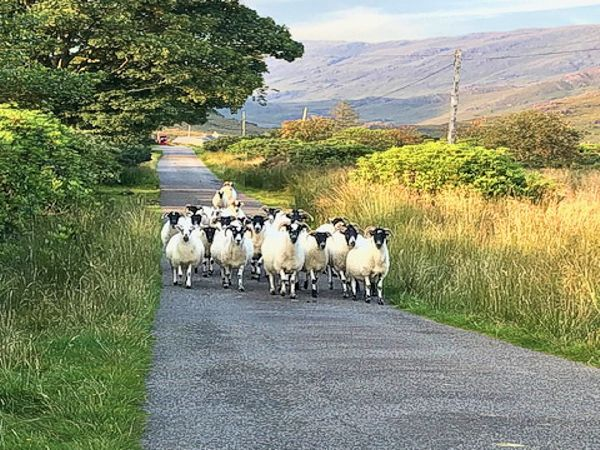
{"points": [[374, 24]]}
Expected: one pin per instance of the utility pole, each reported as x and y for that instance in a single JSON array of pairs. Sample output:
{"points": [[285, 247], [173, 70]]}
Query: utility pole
{"points": [[189, 130], [454, 97], [243, 122], [305, 114]]}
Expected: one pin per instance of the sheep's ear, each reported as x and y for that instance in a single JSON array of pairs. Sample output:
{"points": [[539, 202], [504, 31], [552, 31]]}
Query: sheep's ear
{"points": [[328, 234], [388, 232], [369, 231], [179, 227]]}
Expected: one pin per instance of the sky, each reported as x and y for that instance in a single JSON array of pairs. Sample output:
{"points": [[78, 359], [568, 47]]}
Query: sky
{"points": [[387, 20]]}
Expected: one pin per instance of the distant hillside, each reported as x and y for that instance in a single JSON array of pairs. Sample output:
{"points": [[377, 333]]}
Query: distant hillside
{"points": [[370, 75], [216, 123]]}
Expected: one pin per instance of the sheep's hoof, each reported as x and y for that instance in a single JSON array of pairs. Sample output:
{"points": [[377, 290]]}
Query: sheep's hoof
{"points": [[367, 299], [225, 286], [346, 295], [211, 272], [306, 285], [188, 287], [293, 297], [331, 286], [314, 293], [282, 294], [272, 292], [381, 301], [241, 289], [354, 297]]}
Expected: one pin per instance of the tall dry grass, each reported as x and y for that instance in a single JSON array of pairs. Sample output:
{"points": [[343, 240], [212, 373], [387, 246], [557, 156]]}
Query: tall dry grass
{"points": [[533, 266]]}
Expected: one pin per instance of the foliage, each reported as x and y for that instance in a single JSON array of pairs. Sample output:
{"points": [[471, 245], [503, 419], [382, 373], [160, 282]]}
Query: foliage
{"points": [[329, 152], [533, 137], [222, 143], [589, 156], [314, 128], [44, 164], [381, 139], [77, 301], [506, 262], [135, 66], [433, 166], [344, 116]]}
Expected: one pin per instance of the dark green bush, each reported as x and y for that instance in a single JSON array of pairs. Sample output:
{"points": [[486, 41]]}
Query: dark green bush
{"points": [[380, 139], [289, 151], [46, 165], [433, 166], [132, 154], [221, 144]]}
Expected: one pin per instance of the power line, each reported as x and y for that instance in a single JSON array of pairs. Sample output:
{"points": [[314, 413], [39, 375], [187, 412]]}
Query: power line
{"points": [[563, 52], [412, 83]]}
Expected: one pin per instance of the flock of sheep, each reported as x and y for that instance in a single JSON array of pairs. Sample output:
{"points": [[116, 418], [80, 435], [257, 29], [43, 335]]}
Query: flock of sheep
{"points": [[280, 242]]}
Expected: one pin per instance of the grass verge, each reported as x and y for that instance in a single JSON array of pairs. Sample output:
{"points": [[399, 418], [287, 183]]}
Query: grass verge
{"points": [[75, 319]]}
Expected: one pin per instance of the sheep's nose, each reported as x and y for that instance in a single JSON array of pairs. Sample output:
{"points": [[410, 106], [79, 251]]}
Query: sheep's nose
{"points": [[186, 238]]}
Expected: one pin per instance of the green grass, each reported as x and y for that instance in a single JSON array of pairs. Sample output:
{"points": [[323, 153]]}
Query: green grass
{"points": [[75, 319]]}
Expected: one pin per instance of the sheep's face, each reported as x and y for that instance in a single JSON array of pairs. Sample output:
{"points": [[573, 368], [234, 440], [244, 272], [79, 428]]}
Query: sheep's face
{"points": [[210, 233], [220, 194], [192, 209], [226, 220], [257, 223], [321, 238], [186, 230], [271, 213], [350, 232], [337, 221], [196, 219], [294, 229], [380, 236], [173, 217], [237, 233], [298, 215]]}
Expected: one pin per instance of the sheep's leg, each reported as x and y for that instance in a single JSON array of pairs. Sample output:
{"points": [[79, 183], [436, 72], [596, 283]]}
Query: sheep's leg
{"points": [[271, 283], [211, 266], [205, 267], [188, 277], [174, 275], [293, 282], [283, 277], [224, 277], [330, 276], [241, 279], [368, 291], [307, 275], [259, 268], [353, 287], [380, 291], [179, 272], [344, 282], [313, 284], [253, 268]]}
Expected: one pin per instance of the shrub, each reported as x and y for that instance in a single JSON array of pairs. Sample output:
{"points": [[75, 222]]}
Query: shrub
{"points": [[221, 144], [313, 129], [345, 116], [44, 164], [533, 137], [132, 154], [289, 151], [381, 139], [433, 166]]}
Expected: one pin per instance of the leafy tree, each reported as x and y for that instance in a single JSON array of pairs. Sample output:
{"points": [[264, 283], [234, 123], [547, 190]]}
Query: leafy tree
{"points": [[129, 67], [344, 115], [534, 137]]}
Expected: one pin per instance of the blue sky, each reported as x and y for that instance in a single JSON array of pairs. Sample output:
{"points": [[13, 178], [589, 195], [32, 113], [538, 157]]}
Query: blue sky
{"points": [[385, 20]]}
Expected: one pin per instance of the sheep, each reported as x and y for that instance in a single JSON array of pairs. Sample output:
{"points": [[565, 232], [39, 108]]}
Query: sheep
{"points": [[235, 209], [184, 250], [206, 235], [225, 196], [168, 230], [282, 254], [342, 240], [232, 249], [192, 209], [315, 258], [369, 262], [332, 225], [257, 230], [271, 213]]}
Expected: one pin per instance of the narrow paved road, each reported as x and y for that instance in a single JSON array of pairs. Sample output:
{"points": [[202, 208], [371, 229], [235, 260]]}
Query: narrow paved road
{"points": [[247, 371]]}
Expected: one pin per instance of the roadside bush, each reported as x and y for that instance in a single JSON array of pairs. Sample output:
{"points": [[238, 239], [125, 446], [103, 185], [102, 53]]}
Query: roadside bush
{"points": [[132, 154], [433, 166], [381, 139], [313, 129], [537, 138], [589, 156], [45, 165], [221, 144], [289, 151]]}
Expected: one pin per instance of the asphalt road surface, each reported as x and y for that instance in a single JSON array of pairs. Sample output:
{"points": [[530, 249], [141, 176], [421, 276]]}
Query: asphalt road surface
{"points": [[247, 370]]}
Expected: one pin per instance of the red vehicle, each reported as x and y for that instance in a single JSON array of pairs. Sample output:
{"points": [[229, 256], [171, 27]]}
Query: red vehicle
{"points": [[162, 139]]}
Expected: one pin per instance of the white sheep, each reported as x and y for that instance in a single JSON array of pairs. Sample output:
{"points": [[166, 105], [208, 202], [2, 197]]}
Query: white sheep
{"points": [[184, 251], [338, 246], [315, 258], [169, 227], [369, 262], [227, 194], [333, 225], [232, 249], [283, 255]]}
